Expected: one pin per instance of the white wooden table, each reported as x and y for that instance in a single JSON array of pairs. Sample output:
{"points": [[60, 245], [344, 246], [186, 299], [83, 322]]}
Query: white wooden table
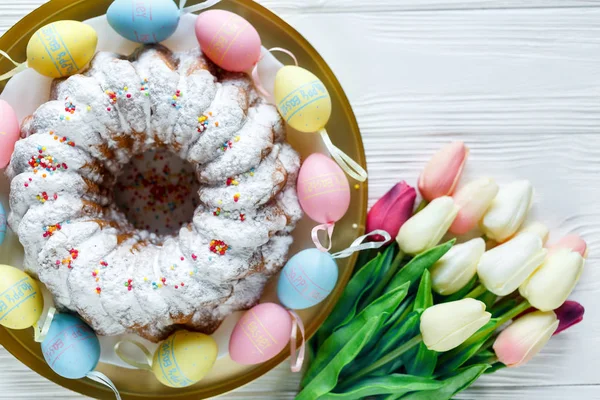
{"points": [[518, 80]]}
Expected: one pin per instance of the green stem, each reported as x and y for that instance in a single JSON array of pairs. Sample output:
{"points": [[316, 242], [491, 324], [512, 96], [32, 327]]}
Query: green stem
{"points": [[478, 291], [385, 359], [501, 321], [421, 206]]}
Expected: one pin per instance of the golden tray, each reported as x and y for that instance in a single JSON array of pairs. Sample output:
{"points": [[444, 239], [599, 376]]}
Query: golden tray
{"points": [[226, 375]]}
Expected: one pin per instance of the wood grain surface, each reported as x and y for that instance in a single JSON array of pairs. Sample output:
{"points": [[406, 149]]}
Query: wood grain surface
{"points": [[517, 80]]}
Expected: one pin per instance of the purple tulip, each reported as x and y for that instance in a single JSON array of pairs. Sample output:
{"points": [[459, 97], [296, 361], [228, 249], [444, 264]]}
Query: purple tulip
{"points": [[569, 314], [392, 210]]}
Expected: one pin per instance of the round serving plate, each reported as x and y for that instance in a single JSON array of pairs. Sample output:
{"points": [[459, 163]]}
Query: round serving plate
{"points": [[343, 129]]}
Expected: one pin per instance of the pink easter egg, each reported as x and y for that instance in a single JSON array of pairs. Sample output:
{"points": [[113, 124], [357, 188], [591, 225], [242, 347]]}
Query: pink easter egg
{"points": [[261, 334], [9, 132], [323, 189], [228, 40]]}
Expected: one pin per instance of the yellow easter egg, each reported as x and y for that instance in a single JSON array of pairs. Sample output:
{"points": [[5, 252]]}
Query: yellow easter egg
{"points": [[21, 301], [302, 99], [61, 48], [184, 358]]}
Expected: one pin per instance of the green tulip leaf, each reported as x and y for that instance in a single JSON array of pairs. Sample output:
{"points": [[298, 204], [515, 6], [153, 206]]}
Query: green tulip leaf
{"points": [[346, 306], [385, 273], [421, 361], [382, 307], [452, 385], [396, 383], [326, 378], [412, 271], [495, 367]]}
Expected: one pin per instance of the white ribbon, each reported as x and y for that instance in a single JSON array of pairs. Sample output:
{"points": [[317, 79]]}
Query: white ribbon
{"points": [[345, 162], [358, 244], [204, 5], [314, 234], [104, 380], [13, 72], [39, 334], [256, 77], [297, 358], [145, 366]]}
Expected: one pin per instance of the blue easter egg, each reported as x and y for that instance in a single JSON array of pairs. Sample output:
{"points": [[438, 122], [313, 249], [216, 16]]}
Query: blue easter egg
{"points": [[71, 348], [307, 279], [2, 223], [144, 21]]}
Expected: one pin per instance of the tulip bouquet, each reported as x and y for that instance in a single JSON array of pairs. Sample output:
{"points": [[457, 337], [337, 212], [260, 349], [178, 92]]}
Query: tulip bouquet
{"points": [[423, 320]]}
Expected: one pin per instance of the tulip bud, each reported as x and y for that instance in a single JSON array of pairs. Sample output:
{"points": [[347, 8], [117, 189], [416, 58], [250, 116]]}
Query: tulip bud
{"points": [[442, 172], [569, 314], [474, 199], [505, 267], [392, 210], [425, 229], [550, 285], [573, 242], [525, 337], [508, 210], [537, 228], [447, 325], [457, 267]]}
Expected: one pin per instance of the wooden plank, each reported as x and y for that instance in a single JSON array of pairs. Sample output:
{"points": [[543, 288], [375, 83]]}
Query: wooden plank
{"points": [[288, 7]]}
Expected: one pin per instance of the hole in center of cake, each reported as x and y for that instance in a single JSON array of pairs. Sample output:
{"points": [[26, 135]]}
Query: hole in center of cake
{"points": [[158, 192]]}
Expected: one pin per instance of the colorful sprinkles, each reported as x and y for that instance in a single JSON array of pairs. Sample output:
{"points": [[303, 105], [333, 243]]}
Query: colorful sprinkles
{"points": [[176, 97], [144, 87], [68, 261], [49, 230], [45, 162], [129, 284], [218, 247]]}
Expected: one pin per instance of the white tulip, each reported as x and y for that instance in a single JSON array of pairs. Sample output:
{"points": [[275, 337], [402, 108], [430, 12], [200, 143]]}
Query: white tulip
{"points": [[457, 267], [425, 229], [549, 286], [538, 228], [508, 210], [447, 325], [525, 337], [505, 267]]}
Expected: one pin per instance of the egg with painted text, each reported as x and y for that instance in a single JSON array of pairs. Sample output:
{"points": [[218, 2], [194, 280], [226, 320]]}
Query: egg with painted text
{"points": [[228, 40], [144, 21], [21, 301], [302, 99], [62, 48], [261, 334], [307, 279], [9, 133], [71, 348], [323, 189], [184, 359]]}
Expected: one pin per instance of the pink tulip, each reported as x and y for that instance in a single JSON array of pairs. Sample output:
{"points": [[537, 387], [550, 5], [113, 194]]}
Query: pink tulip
{"points": [[442, 172], [573, 242], [525, 337], [569, 314], [392, 210], [474, 199]]}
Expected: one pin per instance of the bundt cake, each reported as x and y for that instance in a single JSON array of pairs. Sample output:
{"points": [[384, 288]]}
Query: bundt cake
{"points": [[122, 277]]}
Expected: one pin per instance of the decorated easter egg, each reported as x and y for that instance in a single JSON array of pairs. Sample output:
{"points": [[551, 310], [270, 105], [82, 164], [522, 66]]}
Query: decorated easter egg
{"points": [[9, 133], [144, 21], [323, 189], [61, 48], [184, 358], [261, 334], [307, 279], [71, 348], [302, 99], [21, 301], [2, 223], [228, 40]]}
